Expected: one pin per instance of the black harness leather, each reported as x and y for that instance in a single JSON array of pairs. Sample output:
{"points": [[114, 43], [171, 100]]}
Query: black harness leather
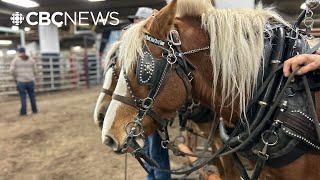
{"points": [[288, 131]]}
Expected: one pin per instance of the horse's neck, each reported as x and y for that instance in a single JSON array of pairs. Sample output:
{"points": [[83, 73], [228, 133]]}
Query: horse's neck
{"points": [[194, 37], [202, 89]]}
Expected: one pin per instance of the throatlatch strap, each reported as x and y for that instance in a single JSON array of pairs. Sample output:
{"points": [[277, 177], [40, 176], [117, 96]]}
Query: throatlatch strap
{"points": [[107, 91]]}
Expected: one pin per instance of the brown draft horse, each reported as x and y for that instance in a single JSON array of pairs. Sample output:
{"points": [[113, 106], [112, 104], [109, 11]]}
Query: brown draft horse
{"points": [[223, 78], [112, 69]]}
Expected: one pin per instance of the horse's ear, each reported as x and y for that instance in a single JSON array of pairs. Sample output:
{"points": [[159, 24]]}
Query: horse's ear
{"points": [[163, 20]]}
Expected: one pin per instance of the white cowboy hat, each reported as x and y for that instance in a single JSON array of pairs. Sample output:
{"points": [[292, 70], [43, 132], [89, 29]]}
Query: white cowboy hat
{"points": [[142, 12]]}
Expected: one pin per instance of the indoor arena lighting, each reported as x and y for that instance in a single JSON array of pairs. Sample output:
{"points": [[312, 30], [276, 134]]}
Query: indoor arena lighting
{"points": [[11, 52], [96, 0], [76, 48], [15, 28], [27, 29], [24, 3], [5, 42], [303, 6]]}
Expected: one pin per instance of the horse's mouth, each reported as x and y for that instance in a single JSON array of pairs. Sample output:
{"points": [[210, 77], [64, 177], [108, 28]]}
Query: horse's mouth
{"points": [[124, 149], [119, 152]]}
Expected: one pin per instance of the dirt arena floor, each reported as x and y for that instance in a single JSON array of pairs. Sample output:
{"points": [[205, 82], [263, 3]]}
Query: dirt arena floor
{"points": [[61, 142]]}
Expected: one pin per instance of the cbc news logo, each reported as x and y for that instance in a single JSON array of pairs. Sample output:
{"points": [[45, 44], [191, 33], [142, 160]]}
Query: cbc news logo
{"points": [[17, 18], [82, 18]]}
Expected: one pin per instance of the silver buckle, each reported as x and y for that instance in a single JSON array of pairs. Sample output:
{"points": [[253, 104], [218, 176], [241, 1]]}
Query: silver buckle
{"points": [[147, 103], [134, 129], [174, 38]]}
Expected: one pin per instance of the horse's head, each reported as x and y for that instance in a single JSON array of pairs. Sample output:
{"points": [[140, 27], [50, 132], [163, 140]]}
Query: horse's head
{"points": [[149, 89], [109, 84]]}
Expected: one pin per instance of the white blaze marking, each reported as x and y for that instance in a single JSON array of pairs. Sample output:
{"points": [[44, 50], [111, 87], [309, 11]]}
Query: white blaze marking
{"points": [[96, 109], [106, 85], [108, 79], [121, 89], [109, 118]]}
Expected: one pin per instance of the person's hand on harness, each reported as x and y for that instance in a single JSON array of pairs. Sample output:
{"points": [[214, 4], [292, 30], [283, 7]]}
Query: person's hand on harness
{"points": [[309, 62]]}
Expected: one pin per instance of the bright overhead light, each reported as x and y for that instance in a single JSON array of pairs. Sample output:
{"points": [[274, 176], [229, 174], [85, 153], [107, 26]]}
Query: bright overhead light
{"points": [[15, 28], [11, 52], [27, 29], [76, 48], [96, 0], [24, 3], [5, 42], [303, 6]]}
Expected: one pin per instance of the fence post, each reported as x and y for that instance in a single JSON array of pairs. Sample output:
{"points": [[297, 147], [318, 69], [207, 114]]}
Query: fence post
{"points": [[86, 62], [78, 71], [51, 72]]}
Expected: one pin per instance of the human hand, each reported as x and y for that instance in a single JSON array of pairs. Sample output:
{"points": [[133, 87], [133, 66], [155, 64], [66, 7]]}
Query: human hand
{"points": [[310, 62]]}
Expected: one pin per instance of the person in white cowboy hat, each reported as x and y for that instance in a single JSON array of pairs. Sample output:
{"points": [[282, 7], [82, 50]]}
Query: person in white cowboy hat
{"points": [[141, 14]]}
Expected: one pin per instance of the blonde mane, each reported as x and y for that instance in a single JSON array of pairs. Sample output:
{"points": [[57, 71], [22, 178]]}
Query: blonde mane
{"points": [[132, 43], [236, 46]]}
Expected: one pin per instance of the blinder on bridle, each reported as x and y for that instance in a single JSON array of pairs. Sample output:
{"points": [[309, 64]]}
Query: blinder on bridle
{"points": [[148, 70]]}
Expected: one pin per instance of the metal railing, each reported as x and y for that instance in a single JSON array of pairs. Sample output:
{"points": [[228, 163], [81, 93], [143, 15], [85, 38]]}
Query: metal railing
{"points": [[55, 72]]}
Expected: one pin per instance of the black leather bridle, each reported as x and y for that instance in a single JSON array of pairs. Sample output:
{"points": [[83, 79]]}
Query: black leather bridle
{"points": [[173, 59]]}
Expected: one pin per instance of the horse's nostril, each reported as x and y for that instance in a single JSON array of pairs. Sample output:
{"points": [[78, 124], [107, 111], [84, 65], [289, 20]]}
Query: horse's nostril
{"points": [[101, 117], [109, 141]]}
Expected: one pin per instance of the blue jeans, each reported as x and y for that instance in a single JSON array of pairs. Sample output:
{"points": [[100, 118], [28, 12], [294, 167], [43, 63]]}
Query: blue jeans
{"points": [[160, 155], [24, 88]]}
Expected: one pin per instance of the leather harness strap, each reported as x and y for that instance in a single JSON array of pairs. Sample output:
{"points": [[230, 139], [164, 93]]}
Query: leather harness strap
{"points": [[317, 102], [132, 102], [186, 82], [107, 91]]}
